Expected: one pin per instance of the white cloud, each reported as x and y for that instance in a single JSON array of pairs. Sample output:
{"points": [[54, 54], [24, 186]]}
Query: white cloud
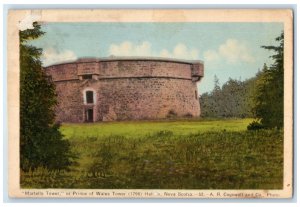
{"points": [[211, 55], [128, 48], [181, 51], [164, 53], [51, 56], [232, 51]]}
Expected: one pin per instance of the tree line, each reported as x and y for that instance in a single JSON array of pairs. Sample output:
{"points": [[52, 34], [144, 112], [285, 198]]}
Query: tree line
{"points": [[260, 97], [233, 99]]}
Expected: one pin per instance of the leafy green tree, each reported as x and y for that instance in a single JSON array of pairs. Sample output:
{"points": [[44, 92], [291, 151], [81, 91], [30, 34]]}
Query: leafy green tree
{"points": [[233, 99], [268, 99], [41, 143]]}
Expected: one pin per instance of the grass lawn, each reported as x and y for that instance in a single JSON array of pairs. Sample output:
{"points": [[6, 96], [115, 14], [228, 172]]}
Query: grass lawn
{"points": [[142, 128], [184, 154]]}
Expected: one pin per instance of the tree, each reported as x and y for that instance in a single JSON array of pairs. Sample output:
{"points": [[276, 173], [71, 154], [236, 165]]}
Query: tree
{"points": [[268, 99], [233, 99], [41, 143], [216, 83]]}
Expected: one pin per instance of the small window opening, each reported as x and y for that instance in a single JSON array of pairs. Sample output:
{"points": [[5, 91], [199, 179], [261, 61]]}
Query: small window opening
{"points": [[87, 77], [196, 95], [89, 97]]}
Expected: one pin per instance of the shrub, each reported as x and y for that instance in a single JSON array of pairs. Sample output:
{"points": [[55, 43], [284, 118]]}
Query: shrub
{"points": [[171, 114], [255, 125]]}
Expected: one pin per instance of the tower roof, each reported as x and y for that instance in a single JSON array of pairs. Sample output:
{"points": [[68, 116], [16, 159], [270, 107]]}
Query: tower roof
{"points": [[129, 58]]}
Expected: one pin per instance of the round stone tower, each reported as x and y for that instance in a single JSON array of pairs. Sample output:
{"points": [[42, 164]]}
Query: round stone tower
{"points": [[131, 88]]}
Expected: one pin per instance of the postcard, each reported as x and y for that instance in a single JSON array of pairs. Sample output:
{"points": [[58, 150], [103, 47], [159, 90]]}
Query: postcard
{"points": [[150, 103]]}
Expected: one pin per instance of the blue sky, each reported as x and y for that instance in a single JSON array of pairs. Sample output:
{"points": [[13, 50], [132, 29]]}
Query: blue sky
{"points": [[229, 50]]}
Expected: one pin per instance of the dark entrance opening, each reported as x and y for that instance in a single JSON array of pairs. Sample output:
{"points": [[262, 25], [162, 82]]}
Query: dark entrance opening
{"points": [[89, 116]]}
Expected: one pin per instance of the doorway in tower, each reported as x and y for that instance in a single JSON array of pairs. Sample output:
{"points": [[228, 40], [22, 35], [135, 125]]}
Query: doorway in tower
{"points": [[89, 115]]}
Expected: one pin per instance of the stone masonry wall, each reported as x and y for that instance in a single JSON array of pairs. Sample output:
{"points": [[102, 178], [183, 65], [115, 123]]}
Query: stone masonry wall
{"points": [[63, 72], [144, 68], [125, 90], [70, 102], [155, 98]]}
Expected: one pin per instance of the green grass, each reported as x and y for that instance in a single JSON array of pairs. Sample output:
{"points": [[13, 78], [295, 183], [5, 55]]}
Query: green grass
{"points": [[195, 154], [142, 128]]}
